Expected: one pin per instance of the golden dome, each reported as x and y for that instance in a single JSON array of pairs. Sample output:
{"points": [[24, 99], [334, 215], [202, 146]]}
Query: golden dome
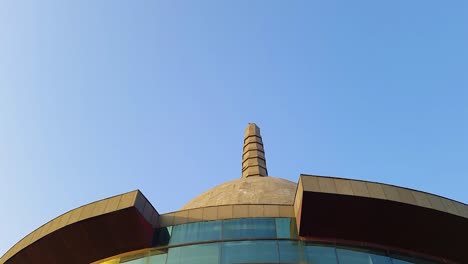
{"points": [[251, 190]]}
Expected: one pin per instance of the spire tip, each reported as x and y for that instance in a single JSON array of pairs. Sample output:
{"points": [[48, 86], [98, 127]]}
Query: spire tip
{"points": [[253, 157]]}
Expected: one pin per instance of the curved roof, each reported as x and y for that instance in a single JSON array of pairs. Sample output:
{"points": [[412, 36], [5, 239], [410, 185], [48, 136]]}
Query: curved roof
{"points": [[88, 233], [251, 190], [369, 213]]}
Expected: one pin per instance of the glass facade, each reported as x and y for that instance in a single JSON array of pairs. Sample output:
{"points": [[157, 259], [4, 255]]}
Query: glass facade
{"points": [[250, 240]]}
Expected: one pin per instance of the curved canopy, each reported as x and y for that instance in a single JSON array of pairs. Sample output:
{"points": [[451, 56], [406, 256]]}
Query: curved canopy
{"points": [[88, 233], [367, 213]]}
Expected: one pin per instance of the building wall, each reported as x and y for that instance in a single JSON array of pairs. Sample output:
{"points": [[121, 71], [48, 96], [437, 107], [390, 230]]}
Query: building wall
{"points": [[250, 240]]}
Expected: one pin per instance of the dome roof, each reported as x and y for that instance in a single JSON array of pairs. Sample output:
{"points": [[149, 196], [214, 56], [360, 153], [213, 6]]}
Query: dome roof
{"points": [[251, 190], [255, 186]]}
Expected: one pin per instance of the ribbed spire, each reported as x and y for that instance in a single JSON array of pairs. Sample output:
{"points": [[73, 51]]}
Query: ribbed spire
{"points": [[253, 157]]}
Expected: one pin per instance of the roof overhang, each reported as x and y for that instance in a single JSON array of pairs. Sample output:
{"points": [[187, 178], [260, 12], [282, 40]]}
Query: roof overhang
{"points": [[89, 233], [373, 213]]}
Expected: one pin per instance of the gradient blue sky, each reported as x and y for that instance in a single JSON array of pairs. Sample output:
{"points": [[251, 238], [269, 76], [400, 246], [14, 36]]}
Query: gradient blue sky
{"points": [[100, 97]]}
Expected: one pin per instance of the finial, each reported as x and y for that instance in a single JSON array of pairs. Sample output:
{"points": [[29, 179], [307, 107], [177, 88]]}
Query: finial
{"points": [[253, 157]]}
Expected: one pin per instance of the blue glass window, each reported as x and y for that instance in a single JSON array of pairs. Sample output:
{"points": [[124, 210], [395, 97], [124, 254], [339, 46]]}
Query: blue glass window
{"points": [[194, 254], [285, 228], [321, 254], [249, 228], [398, 259], [196, 232], [356, 256], [249, 252], [291, 252]]}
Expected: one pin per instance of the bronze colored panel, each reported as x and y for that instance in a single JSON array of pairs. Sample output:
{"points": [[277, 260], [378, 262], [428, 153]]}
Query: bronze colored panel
{"points": [[239, 211], [298, 198], [100, 207], [35, 236], [210, 213], [256, 210], [44, 230], [326, 185], [195, 215], [127, 200], [310, 184], [406, 196], [463, 209], [21, 244], [166, 219], [64, 219], [436, 203], [360, 188], [180, 217], [271, 210], [87, 211], [54, 225], [75, 215], [286, 211], [225, 211], [375, 190], [113, 203], [391, 193], [421, 199], [450, 206], [343, 186]]}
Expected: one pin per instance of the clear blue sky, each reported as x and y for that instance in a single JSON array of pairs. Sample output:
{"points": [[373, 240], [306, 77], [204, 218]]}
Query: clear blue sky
{"points": [[100, 97]]}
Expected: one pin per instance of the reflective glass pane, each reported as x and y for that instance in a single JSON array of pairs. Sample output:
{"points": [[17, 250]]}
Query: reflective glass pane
{"points": [[291, 252], [285, 228], [357, 256], [249, 228], [194, 254], [250, 252], [320, 254], [201, 231]]}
